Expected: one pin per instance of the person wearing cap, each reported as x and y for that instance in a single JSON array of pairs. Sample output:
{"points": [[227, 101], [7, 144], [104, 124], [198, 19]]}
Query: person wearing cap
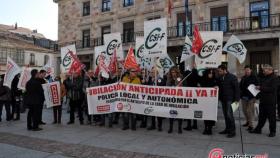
{"points": [[228, 93], [268, 101], [173, 79], [133, 79], [247, 98], [155, 80]]}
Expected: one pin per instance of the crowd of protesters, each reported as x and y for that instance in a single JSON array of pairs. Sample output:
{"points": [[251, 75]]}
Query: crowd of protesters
{"points": [[73, 94]]}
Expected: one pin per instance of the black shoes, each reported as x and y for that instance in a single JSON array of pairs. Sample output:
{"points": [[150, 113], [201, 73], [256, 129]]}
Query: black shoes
{"points": [[170, 131], [180, 131], [125, 128], [37, 129], [188, 128], [256, 131], [224, 132], [271, 134], [70, 122], [231, 135], [250, 128], [246, 124], [207, 132], [151, 128], [42, 123]]}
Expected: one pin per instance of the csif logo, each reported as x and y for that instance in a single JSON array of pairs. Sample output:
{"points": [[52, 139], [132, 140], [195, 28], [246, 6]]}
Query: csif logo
{"points": [[112, 45], [140, 51], [209, 47], [148, 110], [66, 61], [236, 48], [154, 37]]}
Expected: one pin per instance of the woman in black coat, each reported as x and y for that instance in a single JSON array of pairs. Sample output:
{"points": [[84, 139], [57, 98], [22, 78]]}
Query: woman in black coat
{"points": [[208, 80]]}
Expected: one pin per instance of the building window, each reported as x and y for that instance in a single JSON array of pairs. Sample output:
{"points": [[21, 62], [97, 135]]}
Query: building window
{"points": [[259, 12], [184, 25], [128, 32], [106, 5], [127, 3], [219, 19], [86, 38], [105, 30], [86, 8], [32, 59], [46, 59]]}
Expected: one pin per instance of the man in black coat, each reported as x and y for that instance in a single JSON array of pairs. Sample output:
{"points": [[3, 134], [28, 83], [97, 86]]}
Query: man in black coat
{"points": [[268, 101], [41, 79], [34, 98], [16, 94], [228, 94]]}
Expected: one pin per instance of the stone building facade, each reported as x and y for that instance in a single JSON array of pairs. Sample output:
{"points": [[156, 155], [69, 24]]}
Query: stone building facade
{"points": [[22, 51], [255, 22]]}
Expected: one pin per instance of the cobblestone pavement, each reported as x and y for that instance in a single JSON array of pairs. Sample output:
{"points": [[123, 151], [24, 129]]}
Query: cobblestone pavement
{"points": [[93, 141]]}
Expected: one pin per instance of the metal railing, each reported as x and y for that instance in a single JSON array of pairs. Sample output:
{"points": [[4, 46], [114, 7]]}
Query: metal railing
{"points": [[239, 25]]}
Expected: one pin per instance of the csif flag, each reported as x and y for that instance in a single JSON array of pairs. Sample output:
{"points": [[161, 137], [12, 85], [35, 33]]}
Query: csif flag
{"points": [[197, 41]]}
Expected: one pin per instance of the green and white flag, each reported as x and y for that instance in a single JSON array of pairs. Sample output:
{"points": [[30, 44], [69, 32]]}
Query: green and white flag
{"points": [[187, 50], [235, 47]]}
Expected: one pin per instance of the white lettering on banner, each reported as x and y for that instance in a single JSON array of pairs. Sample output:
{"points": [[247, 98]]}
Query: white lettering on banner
{"points": [[52, 94], [174, 102]]}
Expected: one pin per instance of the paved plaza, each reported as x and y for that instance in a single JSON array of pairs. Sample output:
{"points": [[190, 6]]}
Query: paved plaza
{"points": [[60, 141]]}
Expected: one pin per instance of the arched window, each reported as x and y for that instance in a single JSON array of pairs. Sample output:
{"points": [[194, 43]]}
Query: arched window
{"points": [[32, 59], [46, 59]]}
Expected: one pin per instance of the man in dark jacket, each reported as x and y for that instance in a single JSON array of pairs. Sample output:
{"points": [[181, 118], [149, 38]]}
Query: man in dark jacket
{"points": [[5, 97], [76, 98], [278, 99], [34, 98], [248, 100], [16, 95], [228, 94], [41, 79], [268, 100]]}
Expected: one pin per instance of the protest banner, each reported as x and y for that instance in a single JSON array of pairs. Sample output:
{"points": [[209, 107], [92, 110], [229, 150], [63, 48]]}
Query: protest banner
{"points": [[155, 37], [24, 77], [52, 94], [12, 70], [169, 102], [211, 52], [66, 58], [113, 41]]}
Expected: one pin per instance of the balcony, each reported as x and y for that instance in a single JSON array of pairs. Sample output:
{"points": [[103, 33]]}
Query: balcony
{"points": [[237, 26]]}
